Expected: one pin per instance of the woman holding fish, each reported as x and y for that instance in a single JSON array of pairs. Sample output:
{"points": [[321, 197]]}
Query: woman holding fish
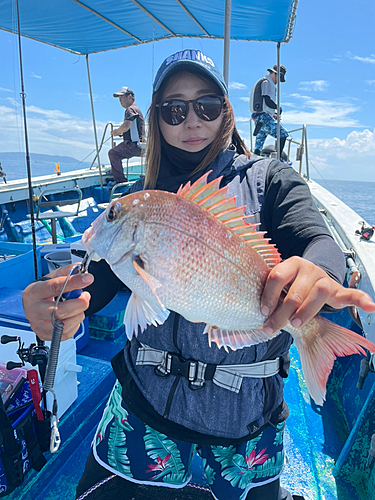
{"points": [[202, 273]]}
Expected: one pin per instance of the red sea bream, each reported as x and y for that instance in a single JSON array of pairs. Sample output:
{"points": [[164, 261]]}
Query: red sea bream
{"points": [[193, 253]]}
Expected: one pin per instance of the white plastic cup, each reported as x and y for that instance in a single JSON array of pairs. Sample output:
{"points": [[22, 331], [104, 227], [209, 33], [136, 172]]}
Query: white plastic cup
{"points": [[58, 259]]}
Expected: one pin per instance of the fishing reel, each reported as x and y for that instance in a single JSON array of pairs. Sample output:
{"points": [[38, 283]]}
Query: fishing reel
{"points": [[34, 354]]}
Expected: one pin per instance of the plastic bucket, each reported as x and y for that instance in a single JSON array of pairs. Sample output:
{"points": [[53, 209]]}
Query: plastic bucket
{"points": [[58, 259]]}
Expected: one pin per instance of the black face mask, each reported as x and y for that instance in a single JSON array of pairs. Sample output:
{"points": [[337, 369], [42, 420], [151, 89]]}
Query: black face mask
{"points": [[177, 166]]}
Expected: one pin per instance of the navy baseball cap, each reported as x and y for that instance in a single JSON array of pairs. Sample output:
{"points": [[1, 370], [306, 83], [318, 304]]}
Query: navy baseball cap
{"points": [[190, 59]]}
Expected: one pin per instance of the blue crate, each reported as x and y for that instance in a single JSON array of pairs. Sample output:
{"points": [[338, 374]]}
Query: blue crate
{"points": [[17, 271], [108, 323]]}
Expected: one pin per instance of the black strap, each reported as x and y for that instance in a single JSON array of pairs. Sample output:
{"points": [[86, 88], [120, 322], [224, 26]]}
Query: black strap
{"points": [[26, 430], [258, 126], [210, 371], [10, 452]]}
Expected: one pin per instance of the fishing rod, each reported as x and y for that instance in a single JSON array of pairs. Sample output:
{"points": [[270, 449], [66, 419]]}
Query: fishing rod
{"points": [[29, 178]]}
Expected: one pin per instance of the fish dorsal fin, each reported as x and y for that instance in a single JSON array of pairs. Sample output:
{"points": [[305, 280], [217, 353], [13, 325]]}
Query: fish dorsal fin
{"points": [[215, 201], [183, 189], [198, 184]]}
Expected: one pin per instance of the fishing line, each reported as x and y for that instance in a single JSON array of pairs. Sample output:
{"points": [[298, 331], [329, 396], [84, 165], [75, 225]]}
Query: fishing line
{"points": [[93, 151], [324, 180]]}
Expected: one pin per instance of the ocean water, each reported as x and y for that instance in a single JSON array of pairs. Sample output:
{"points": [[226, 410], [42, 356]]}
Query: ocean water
{"points": [[359, 196], [14, 165]]}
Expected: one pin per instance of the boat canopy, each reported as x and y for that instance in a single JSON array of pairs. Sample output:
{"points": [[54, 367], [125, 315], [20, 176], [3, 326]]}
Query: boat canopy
{"points": [[89, 26]]}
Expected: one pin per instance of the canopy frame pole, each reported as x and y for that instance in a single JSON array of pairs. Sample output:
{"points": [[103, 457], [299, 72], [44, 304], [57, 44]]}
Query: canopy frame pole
{"points": [[278, 102], [227, 19], [29, 177], [148, 13], [107, 20], [93, 121], [192, 17]]}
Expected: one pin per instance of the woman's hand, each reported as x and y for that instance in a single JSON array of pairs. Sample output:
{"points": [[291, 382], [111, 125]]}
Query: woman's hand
{"points": [[38, 303], [310, 288]]}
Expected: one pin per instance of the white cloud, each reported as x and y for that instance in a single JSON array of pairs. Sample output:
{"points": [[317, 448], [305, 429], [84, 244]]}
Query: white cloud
{"points": [[351, 158], [320, 112], [13, 102], [85, 96], [50, 132], [316, 85], [53, 114], [356, 142], [370, 82], [237, 86], [368, 60], [6, 90], [242, 118], [245, 99], [34, 75]]}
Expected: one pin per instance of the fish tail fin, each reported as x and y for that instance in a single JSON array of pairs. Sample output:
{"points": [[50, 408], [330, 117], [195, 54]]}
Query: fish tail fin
{"points": [[319, 345]]}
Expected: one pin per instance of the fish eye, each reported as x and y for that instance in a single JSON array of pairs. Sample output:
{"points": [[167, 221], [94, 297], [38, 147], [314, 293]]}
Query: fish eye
{"points": [[113, 212]]}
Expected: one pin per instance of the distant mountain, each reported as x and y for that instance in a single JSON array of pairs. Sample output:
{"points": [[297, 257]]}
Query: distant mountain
{"points": [[14, 164], [37, 158]]}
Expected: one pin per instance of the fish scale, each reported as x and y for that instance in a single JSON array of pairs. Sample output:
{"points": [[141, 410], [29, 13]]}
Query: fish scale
{"points": [[187, 258], [195, 253]]}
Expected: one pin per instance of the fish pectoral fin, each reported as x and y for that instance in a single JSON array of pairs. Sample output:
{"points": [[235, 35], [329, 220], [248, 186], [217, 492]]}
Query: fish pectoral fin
{"points": [[235, 339], [152, 282], [141, 313]]}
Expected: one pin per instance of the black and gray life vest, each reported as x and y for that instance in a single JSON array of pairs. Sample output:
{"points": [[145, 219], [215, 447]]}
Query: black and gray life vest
{"points": [[257, 96]]}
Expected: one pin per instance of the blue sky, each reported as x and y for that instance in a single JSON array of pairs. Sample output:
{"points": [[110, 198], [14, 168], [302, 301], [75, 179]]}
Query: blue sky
{"points": [[330, 86]]}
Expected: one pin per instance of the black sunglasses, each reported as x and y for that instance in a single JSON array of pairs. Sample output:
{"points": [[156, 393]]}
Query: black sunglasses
{"points": [[207, 107]]}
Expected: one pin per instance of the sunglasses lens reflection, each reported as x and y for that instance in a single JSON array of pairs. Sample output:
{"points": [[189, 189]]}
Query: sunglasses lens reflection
{"points": [[207, 108]]}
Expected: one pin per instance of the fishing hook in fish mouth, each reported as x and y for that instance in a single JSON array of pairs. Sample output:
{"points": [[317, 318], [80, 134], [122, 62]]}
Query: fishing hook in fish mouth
{"points": [[81, 268], [84, 267]]}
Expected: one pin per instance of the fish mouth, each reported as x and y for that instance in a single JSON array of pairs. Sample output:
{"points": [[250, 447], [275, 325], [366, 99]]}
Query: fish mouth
{"points": [[92, 254], [130, 249]]}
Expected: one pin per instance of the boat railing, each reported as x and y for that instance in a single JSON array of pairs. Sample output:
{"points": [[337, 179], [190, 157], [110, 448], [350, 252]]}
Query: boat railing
{"points": [[302, 147], [47, 200], [110, 127]]}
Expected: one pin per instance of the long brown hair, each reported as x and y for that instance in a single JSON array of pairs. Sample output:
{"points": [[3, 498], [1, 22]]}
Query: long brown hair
{"points": [[226, 135]]}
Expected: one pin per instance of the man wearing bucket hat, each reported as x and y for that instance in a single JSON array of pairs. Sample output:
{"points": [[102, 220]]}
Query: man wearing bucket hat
{"points": [[132, 131], [263, 108]]}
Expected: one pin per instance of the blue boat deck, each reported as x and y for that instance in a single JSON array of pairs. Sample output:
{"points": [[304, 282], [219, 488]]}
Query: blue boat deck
{"points": [[314, 437], [326, 447]]}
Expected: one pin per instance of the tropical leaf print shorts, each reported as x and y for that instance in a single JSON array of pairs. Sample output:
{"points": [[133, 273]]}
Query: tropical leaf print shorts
{"points": [[135, 451]]}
